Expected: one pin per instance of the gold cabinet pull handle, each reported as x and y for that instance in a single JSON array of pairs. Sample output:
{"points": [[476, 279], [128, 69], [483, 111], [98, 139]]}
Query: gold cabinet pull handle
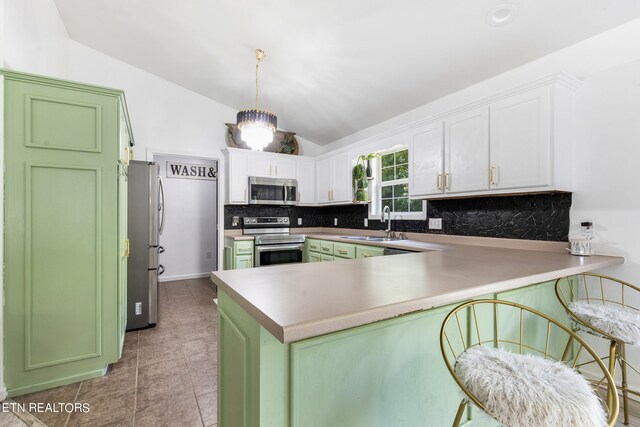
{"points": [[492, 176], [298, 197], [276, 170], [447, 183], [439, 181], [245, 194], [366, 255], [340, 251], [126, 248]]}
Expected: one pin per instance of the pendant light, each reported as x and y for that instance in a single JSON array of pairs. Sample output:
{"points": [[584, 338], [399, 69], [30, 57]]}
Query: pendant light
{"points": [[257, 126]]}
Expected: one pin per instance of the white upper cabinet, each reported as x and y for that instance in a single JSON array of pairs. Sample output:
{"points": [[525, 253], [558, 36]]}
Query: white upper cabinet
{"points": [[268, 165], [237, 178], [426, 160], [306, 176], [520, 138], [466, 148], [333, 179], [342, 187], [324, 180]]}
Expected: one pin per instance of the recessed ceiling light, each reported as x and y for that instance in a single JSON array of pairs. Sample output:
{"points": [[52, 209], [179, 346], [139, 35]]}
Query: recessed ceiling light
{"points": [[501, 14]]}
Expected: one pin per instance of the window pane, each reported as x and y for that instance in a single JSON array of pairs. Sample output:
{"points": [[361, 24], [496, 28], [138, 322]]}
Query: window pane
{"points": [[387, 202], [415, 205], [387, 192], [402, 171], [402, 157], [387, 174], [401, 205], [387, 160], [401, 190]]}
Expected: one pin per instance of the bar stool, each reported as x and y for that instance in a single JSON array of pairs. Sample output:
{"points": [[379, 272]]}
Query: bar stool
{"points": [[600, 306], [518, 366]]}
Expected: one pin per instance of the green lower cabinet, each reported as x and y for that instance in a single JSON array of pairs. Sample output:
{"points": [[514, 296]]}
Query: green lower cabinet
{"points": [[368, 251], [238, 254], [324, 257], [388, 373], [65, 232], [314, 257]]}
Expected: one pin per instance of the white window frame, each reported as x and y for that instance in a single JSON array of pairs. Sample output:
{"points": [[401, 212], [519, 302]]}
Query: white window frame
{"points": [[375, 190]]}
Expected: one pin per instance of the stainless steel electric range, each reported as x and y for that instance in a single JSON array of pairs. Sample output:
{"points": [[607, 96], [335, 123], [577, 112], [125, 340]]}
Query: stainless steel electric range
{"points": [[274, 244]]}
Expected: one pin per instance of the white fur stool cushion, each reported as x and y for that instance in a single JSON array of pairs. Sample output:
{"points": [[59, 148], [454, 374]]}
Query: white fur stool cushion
{"points": [[621, 322], [529, 391]]}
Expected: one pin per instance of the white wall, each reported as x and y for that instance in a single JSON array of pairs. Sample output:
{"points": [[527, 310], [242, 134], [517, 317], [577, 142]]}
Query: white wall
{"points": [[607, 172]]}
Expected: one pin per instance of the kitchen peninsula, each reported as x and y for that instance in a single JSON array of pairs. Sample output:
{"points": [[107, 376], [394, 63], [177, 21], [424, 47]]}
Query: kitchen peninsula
{"points": [[356, 342]]}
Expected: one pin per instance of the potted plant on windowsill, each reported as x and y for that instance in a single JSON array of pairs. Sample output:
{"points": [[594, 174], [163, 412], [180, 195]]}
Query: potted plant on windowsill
{"points": [[361, 175]]}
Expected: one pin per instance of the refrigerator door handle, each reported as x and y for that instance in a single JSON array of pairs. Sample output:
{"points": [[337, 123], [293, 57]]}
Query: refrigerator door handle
{"points": [[160, 269], [162, 205]]}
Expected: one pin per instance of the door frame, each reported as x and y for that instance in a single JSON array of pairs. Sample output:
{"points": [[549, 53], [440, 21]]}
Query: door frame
{"points": [[150, 152]]}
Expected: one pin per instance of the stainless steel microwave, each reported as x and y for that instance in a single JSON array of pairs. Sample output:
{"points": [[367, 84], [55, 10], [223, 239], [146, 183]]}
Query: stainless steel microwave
{"points": [[272, 191]]}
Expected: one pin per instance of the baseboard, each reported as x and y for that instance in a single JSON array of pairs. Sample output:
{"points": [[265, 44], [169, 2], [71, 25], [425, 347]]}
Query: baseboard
{"points": [[3, 393], [184, 276], [56, 383]]}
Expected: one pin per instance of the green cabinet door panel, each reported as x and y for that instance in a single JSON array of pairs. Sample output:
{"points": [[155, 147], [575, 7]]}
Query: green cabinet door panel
{"points": [[344, 250], [64, 232], [315, 257], [238, 254]]}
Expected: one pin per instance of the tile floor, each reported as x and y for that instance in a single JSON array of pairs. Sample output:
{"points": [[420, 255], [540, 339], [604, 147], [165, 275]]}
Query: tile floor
{"points": [[167, 374]]}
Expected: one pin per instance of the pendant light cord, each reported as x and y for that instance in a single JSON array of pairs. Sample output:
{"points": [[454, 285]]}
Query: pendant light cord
{"points": [[257, 65]]}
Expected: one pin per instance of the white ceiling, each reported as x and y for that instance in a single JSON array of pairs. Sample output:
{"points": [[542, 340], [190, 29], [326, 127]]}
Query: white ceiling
{"points": [[333, 67]]}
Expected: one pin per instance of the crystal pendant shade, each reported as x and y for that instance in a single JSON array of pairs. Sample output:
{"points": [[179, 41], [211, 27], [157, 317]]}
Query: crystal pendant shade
{"points": [[257, 127]]}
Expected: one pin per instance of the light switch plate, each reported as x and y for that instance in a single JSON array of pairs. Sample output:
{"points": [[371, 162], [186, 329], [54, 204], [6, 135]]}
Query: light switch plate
{"points": [[366, 222], [335, 221], [299, 221], [435, 223]]}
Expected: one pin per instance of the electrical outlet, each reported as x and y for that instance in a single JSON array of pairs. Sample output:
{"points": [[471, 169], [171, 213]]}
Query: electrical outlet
{"points": [[435, 223], [335, 221], [138, 308], [366, 222], [235, 221], [299, 221], [208, 255]]}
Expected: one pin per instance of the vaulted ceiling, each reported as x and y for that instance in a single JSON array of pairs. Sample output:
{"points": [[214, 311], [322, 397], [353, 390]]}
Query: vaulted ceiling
{"points": [[333, 67]]}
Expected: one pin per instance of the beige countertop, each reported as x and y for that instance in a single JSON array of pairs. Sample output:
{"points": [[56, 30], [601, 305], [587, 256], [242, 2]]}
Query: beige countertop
{"points": [[299, 301]]}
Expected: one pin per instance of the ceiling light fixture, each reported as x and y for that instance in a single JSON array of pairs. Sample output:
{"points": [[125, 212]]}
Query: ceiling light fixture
{"points": [[501, 14], [257, 126]]}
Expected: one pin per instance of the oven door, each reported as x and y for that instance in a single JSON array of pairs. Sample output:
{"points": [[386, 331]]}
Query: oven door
{"points": [[277, 254]]}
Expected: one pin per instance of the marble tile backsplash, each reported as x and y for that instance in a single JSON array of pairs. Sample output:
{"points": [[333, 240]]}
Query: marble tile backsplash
{"points": [[531, 217]]}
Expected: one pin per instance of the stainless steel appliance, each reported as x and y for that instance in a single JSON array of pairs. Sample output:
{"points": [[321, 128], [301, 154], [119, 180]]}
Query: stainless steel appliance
{"points": [[272, 191], [146, 218], [273, 242]]}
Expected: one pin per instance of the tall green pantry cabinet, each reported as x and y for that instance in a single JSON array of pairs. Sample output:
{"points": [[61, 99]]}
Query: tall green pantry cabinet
{"points": [[67, 147]]}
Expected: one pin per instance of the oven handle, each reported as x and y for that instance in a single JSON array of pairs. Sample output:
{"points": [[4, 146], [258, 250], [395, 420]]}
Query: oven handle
{"points": [[272, 248]]}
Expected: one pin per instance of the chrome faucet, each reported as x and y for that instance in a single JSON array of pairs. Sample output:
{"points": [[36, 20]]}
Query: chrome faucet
{"points": [[387, 209]]}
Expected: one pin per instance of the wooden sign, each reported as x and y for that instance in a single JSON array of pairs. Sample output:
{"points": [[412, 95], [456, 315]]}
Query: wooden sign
{"points": [[192, 171]]}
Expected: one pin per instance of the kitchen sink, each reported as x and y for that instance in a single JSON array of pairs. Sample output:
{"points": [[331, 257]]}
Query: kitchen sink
{"points": [[371, 238]]}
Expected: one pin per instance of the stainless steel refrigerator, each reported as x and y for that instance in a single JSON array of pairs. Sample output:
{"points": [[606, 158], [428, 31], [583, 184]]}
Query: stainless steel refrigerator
{"points": [[146, 215]]}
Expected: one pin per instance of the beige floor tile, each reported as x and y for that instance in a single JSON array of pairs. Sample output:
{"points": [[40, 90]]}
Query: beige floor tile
{"points": [[114, 381], [177, 290], [165, 350], [8, 419], [208, 404], [63, 394], [204, 379], [194, 346], [111, 409], [183, 413], [163, 381]]}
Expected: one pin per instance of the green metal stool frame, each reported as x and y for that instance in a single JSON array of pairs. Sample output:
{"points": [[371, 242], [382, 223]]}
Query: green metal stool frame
{"points": [[461, 330], [601, 289]]}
